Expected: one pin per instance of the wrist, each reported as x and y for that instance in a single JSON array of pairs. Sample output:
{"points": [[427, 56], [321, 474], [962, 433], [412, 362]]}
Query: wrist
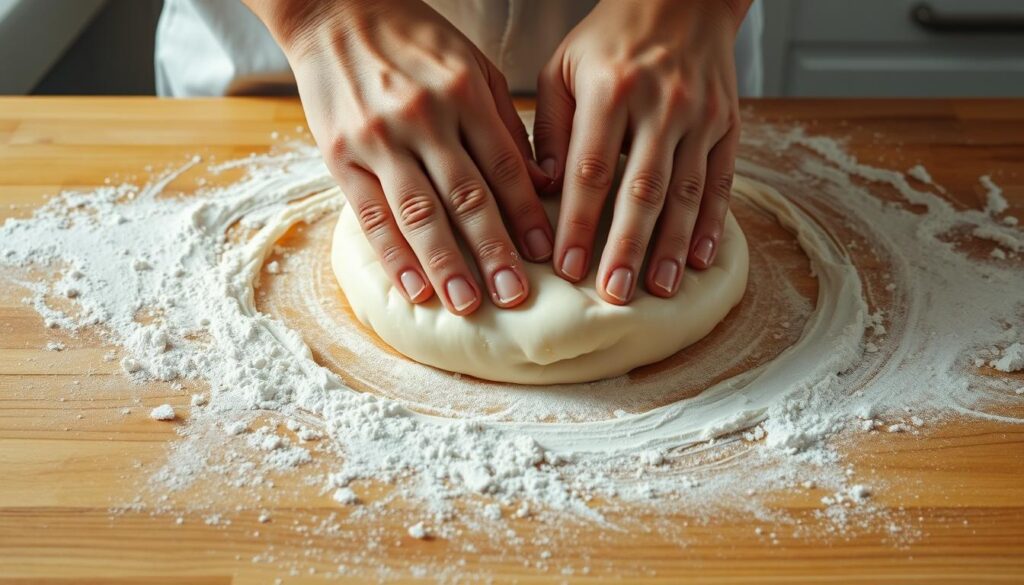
{"points": [[728, 12], [737, 9], [292, 22]]}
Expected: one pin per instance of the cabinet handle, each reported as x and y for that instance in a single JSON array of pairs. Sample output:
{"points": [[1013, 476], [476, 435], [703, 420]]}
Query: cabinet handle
{"points": [[929, 18]]}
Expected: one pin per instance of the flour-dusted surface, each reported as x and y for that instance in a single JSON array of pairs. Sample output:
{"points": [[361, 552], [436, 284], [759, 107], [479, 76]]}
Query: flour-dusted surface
{"points": [[198, 326]]}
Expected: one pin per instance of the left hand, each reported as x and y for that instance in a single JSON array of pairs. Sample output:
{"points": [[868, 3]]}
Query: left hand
{"points": [[656, 77]]}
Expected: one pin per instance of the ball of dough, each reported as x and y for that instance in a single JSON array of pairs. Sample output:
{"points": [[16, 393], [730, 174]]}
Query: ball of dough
{"points": [[562, 333]]}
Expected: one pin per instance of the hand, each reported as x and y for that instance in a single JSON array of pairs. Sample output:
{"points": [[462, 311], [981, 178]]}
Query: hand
{"points": [[418, 128], [659, 76]]}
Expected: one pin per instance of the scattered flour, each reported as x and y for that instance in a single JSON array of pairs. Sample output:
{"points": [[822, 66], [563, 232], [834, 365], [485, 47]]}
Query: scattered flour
{"points": [[418, 531], [163, 412], [171, 281], [920, 173], [345, 496], [1011, 360], [995, 203]]}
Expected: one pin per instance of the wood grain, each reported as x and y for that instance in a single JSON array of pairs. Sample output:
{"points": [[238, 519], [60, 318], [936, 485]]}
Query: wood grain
{"points": [[66, 452]]}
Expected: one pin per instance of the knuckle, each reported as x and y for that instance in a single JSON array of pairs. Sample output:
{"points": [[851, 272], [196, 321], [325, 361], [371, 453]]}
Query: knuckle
{"points": [[593, 172], [372, 216], [688, 191], [660, 55], [338, 149], [526, 209], [372, 129], [581, 225], [677, 242], [631, 246], [677, 94], [415, 104], [624, 78], [647, 190], [467, 199], [442, 259], [391, 254], [720, 187], [459, 84], [545, 127], [506, 167], [492, 249], [416, 210]]}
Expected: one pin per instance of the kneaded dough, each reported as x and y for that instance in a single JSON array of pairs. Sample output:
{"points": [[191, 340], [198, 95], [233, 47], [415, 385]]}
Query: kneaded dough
{"points": [[563, 332]]}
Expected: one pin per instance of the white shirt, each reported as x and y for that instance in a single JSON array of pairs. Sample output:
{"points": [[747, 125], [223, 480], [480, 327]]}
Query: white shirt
{"points": [[219, 47]]}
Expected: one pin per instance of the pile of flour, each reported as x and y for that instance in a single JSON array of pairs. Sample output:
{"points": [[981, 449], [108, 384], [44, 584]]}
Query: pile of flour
{"points": [[170, 280]]}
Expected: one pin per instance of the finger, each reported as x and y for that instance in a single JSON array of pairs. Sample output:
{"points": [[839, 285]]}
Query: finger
{"points": [[638, 205], [597, 133], [675, 227], [509, 116], [501, 164], [473, 210], [364, 193], [552, 126], [421, 217], [715, 201]]}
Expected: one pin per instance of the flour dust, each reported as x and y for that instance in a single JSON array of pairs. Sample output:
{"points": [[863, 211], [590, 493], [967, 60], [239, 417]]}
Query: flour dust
{"points": [[169, 279]]}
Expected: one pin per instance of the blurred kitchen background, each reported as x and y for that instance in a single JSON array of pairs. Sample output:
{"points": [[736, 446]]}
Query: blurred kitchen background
{"points": [[811, 47]]}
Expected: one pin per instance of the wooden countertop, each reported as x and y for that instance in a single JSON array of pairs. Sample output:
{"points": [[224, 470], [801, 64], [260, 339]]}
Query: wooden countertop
{"points": [[60, 473]]}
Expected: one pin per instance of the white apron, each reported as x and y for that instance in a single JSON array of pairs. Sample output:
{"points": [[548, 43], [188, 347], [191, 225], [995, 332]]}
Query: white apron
{"points": [[219, 47]]}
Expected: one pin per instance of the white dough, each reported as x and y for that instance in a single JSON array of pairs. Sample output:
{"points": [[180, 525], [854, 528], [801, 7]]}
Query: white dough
{"points": [[563, 332]]}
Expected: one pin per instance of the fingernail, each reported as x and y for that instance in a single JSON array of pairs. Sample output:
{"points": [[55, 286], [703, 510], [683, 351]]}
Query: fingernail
{"points": [[460, 293], [620, 283], [703, 250], [573, 263], [537, 244], [665, 276], [508, 286], [548, 166], [412, 283]]}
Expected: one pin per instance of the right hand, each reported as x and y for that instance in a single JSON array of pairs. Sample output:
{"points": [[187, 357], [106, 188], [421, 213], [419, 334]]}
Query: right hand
{"points": [[419, 130]]}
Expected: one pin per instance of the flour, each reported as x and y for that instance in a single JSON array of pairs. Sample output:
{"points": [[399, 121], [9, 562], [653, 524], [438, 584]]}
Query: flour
{"points": [[170, 280], [418, 531], [1011, 359], [995, 203], [920, 173], [345, 496], [163, 412]]}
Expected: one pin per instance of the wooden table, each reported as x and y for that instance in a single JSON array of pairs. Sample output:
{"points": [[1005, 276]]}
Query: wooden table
{"points": [[66, 453]]}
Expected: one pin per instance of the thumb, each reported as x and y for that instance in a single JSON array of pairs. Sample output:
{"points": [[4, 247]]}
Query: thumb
{"points": [[553, 125], [511, 120]]}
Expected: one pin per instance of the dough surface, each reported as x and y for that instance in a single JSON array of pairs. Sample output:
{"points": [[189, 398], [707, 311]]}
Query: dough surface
{"points": [[563, 333]]}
